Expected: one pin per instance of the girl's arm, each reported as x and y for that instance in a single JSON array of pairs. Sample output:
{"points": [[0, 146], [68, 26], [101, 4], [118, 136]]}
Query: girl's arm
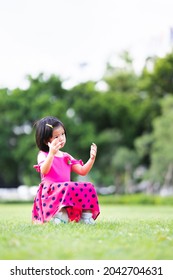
{"points": [[84, 170], [47, 162]]}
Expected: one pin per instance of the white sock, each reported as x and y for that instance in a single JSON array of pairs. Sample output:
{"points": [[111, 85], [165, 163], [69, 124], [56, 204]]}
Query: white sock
{"points": [[86, 215]]}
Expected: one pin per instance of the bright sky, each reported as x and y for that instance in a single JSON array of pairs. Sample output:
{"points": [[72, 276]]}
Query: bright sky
{"points": [[75, 38]]}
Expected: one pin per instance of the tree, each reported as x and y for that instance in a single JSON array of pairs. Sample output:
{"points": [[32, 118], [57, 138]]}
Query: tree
{"points": [[127, 121], [161, 152], [19, 110], [124, 162], [121, 78], [156, 78]]}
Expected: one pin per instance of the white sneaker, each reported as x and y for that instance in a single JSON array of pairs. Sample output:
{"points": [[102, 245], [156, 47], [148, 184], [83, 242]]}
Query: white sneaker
{"points": [[56, 221], [89, 221], [62, 216]]}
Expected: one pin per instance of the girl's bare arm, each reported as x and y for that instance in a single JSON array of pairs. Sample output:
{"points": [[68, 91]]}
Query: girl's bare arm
{"points": [[84, 170]]}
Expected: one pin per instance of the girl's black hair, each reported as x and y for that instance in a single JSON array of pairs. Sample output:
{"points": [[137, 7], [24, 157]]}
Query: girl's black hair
{"points": [[44, 130]]}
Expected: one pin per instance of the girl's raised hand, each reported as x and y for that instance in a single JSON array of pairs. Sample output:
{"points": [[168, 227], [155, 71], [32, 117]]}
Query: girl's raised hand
{"points": [[54, 146], [93, 151]]}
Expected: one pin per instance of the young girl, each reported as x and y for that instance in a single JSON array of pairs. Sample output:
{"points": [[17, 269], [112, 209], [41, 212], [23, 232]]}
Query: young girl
{"points": [[58, 199]]}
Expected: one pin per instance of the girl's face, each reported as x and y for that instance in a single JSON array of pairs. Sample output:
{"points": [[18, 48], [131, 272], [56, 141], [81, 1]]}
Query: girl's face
{"points": [[59, 134]]}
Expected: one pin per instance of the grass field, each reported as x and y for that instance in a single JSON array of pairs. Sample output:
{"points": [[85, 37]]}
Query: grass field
{"points": [[122, 232]]}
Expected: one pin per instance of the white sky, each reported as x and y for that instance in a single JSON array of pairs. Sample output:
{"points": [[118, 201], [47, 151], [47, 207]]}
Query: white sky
{"points": [[57, 36]]}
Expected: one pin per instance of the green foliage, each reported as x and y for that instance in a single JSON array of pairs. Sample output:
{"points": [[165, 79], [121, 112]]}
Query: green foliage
{"points": [[158, 81], [143, 145], [127, 121], [161, 154], [121, 79]]}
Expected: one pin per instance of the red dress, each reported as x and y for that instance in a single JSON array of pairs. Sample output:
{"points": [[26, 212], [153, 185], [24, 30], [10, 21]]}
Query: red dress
{"points": [[57, 191]]}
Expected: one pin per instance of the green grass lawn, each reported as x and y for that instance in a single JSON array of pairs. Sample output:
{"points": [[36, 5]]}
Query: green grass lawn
{"points": [[122, 232]]}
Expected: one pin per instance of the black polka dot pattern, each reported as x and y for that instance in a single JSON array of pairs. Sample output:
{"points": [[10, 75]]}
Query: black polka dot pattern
{"points": [[75, 196]]}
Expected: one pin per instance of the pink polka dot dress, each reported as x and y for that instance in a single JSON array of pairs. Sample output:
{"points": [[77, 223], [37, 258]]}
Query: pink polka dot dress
{"points": [[57, 191]]}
